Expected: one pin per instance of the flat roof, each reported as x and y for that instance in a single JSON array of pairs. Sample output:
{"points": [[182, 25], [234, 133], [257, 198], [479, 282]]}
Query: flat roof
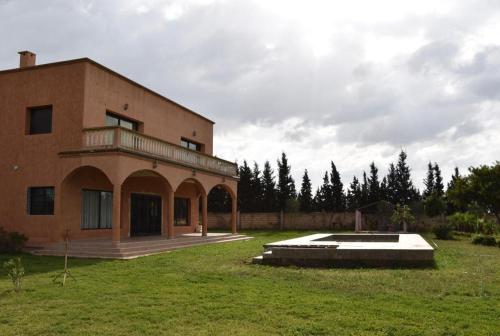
{"points": [[114, 73]]}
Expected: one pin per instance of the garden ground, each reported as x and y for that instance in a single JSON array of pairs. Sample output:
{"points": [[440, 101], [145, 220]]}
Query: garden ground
{"points": [[215, 290]]}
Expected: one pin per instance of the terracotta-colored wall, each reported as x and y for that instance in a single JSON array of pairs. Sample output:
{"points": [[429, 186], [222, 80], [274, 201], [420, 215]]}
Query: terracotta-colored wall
{"points": [[160, 118], [32, 160]]}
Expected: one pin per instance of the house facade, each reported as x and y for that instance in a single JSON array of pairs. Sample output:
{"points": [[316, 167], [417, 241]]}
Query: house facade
{"points": [[90, 153]]}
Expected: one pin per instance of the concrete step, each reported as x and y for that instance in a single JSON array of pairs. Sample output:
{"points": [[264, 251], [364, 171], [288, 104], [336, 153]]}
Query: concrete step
{"points": [[117, 252], [136, 244], [143, 245], [257, 260], [267, 254], [79, 254]]}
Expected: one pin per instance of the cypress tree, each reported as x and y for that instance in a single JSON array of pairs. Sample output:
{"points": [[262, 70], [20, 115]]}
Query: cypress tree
{"points": [[429, 181], [324, 195], [373, 184], [364, 191], [316, 200], [269, 200], [383, 189], [256, 189], [438, 185], [354, 195], [286, 184], [391, 184], [305, 196], [337, 190], [451, 206], [454, 178], [405, 192], [244, 188]]}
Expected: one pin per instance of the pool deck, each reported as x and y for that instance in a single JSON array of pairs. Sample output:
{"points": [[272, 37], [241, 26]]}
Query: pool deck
{"points": [[359, 249]]}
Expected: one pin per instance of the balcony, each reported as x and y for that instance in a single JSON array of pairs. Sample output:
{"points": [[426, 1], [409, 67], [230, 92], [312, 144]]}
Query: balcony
{"points": [[121, 139]]}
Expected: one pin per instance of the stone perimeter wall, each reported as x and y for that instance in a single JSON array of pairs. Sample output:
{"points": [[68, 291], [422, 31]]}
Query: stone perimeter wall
{"points": [[303, 221], [291, 221]]}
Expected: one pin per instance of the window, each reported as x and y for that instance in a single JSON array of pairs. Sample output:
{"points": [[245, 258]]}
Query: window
{"points": [[40, 120], [97, 209], [181, 211], [41, 200], [116, 120], [190, 144]]}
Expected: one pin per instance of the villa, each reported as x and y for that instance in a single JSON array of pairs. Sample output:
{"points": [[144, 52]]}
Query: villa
{"points": [[89, 153]]}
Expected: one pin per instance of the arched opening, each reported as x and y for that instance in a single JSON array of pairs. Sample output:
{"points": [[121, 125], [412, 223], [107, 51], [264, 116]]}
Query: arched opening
{"points": [[188, 203], [222, 211], [144, 204], [86, 203], [219, 200]]}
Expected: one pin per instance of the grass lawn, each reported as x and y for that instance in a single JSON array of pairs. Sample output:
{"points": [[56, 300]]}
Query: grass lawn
{"points": [[215, 290]]}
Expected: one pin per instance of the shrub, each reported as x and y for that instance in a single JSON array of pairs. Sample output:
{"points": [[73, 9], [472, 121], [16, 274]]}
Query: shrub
{"points": [[464, 221], [11, 241], [489, 226], [486, 240], [472, 222], [443, 231], [15, 271]]}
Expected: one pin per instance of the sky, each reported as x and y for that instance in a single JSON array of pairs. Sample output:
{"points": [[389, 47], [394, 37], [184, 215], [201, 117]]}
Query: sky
{"points": [[344, 81]]}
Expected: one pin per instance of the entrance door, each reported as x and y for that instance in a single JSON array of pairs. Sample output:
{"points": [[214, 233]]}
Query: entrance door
{"points": [[145, 215]]}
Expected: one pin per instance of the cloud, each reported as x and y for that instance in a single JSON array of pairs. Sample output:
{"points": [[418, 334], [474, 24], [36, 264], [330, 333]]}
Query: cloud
{"points": [[320, 80]]}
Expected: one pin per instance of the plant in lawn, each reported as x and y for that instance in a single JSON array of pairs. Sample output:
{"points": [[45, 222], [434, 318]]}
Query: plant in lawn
{"points": [[443, 231], [402, 215], [15, 271], [486, 240], [11, 241]]}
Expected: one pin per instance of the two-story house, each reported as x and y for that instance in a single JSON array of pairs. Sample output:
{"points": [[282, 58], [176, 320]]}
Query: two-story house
{"points": [[88, 151]]}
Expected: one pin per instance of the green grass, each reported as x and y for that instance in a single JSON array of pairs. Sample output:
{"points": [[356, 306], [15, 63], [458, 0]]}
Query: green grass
{"points": [[215, 290]]}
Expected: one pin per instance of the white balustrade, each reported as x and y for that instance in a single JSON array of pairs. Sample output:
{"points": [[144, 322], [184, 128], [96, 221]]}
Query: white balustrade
{"points": [[98, 137], [105, 137]]}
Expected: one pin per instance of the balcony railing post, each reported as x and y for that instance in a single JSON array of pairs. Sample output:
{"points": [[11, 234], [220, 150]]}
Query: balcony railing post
{"points": [[116, 137]]}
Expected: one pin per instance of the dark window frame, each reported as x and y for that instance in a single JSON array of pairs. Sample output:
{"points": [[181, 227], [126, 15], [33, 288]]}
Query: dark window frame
{"points": [[99, 227], [188, 212], [187, 143], [46, 208], [120, 119], [43, 129]]}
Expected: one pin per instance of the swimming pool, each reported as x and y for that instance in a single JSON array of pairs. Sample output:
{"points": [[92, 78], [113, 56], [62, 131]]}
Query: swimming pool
{"points": [[350, 249]]}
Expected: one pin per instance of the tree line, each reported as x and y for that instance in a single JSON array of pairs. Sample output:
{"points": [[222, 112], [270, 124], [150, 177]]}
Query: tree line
{"points": [[264, 191]]}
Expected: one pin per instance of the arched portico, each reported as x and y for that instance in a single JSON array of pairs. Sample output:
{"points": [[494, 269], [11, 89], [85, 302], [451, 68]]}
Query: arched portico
{"points": [[112, 187]]}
